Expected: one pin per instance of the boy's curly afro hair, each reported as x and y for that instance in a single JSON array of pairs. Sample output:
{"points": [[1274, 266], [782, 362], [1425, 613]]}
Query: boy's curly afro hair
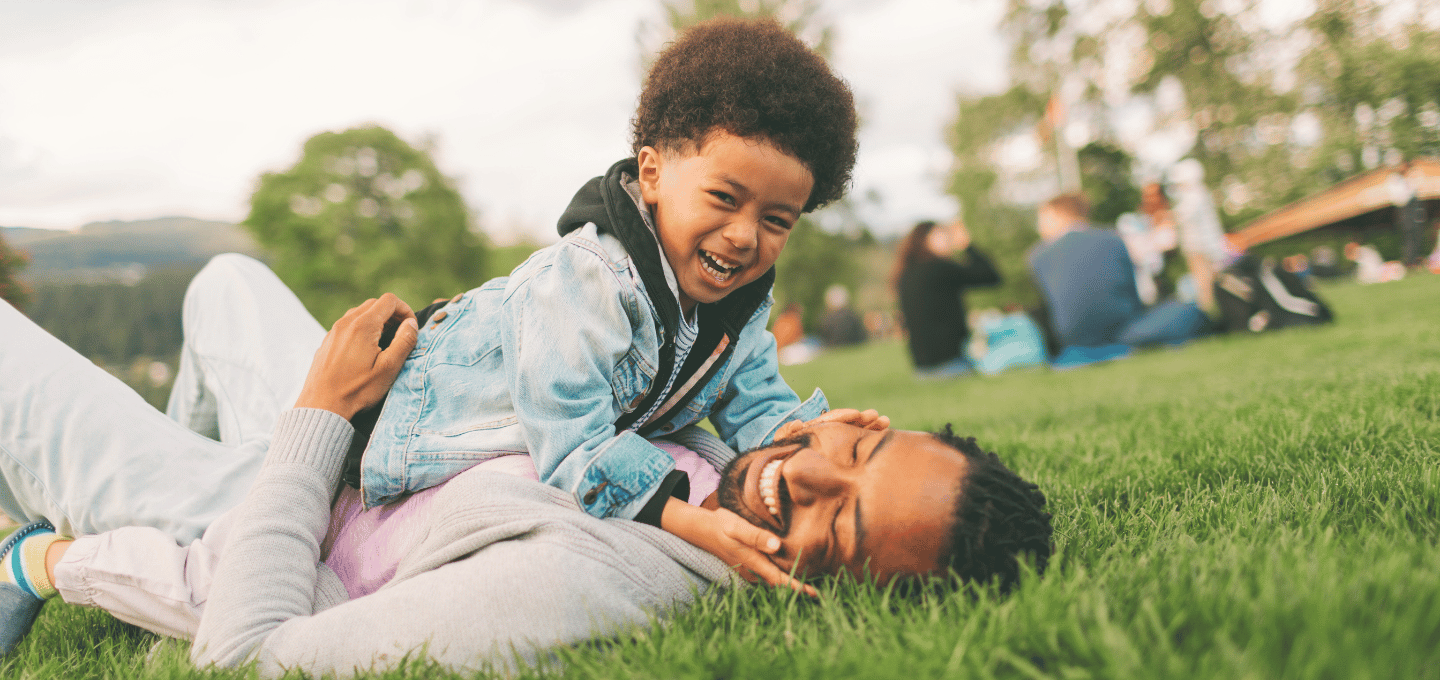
{"points": [[751, 78]]}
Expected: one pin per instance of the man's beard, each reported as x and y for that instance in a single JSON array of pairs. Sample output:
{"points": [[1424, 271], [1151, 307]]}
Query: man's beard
{"points": [[730, 487]]}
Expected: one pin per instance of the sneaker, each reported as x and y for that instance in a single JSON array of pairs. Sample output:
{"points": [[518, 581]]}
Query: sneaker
{"points": [[18, 608]]}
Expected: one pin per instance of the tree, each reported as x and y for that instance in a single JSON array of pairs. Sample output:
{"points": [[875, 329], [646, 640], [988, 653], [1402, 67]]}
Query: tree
{"points": [[798, 16], [1268, 128], [360, 214], [11, 289]]}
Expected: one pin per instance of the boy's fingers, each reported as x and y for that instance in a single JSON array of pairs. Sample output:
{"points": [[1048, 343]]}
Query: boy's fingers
{"points": [[752, 536]]}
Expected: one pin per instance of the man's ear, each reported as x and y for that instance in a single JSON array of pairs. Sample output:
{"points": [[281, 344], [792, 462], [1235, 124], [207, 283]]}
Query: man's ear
{"points": [[651, 164]]}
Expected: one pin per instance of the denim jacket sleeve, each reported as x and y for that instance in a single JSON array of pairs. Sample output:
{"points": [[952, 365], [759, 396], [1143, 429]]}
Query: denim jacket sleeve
{"points": [[757, 399], [576, 329]]}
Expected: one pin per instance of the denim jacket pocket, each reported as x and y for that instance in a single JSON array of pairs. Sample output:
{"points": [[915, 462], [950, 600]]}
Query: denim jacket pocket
{"points": [[631, 379]]}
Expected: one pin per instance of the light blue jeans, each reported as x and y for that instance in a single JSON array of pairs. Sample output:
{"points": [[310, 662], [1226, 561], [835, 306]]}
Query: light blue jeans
{"points": [[81, 449]]}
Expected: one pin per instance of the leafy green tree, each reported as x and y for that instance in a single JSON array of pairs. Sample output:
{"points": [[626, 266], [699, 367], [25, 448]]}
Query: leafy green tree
{"points": [[1268, 130], [11, 289], [1107, 181], [363, 213], [799, 16], [813, 260]]}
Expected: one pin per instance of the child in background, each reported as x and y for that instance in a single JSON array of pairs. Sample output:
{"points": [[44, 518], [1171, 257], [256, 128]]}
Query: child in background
{"points": [[649, 315]]}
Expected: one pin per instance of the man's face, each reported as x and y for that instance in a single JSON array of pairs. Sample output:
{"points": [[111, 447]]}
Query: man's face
{"points": [[843, 498], [723, 211]]}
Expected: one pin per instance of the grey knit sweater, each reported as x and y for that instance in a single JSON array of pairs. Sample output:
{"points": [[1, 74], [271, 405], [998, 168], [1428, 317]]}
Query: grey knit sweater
{"points": [[508, 569]]}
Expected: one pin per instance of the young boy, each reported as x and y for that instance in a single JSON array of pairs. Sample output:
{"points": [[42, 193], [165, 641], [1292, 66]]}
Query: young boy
{"points": [[649, 315]]}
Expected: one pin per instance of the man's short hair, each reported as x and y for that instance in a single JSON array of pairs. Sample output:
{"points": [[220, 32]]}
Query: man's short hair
{"points": [[999, 519], [751, 78], [1073, 205]]}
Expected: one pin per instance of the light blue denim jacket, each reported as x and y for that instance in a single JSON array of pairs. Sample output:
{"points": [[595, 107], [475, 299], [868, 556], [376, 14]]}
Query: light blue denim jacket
{"points": [[544, 362]]}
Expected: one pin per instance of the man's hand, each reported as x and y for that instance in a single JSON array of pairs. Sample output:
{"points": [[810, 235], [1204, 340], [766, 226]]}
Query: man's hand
{"points": [[869, 419], [726, 535], [350, 371]]}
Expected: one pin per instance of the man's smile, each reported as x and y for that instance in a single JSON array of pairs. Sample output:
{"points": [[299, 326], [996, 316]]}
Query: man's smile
{"points": [[766, 496]]}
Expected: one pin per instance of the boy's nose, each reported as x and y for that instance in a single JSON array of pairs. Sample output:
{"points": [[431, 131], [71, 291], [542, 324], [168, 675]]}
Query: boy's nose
{"points": [[812, 478], [741, 233]]}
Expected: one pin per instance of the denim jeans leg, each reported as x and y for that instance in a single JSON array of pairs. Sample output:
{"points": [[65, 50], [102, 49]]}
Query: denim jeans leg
{"points": [[81, 449], [248, 346], [1166, 323]]}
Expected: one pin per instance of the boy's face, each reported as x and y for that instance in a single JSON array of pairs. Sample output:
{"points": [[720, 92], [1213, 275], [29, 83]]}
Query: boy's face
{"points": [[723, 211]]}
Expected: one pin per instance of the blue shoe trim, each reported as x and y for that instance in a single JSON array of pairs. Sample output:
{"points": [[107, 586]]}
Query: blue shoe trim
{"points": [[18, 607], [18, 574], [22, 532]]}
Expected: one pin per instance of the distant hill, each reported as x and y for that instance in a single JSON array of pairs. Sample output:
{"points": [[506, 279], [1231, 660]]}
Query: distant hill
{"points": [[123, 251]]}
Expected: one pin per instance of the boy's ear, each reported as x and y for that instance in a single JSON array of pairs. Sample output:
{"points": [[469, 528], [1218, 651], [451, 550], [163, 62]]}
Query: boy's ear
{"points": [[651, 163]]}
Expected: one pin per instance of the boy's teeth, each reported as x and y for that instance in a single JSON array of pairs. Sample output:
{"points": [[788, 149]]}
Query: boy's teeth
{"points": [[716, 267]]}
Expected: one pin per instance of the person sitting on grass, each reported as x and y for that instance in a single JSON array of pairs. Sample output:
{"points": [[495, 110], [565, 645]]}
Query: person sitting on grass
{"points": [[1087, 280], [490, 569], [931, 287]]}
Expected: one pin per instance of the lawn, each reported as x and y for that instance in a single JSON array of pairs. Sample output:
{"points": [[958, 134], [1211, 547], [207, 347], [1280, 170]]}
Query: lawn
{"points": [[1242, 507]]}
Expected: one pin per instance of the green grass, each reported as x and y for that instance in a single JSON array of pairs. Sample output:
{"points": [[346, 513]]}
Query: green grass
{"points": [[1243, 507]]}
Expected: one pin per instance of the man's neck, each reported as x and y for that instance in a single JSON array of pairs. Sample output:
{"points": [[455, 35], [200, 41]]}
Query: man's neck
{"points": [[1058, 232]]}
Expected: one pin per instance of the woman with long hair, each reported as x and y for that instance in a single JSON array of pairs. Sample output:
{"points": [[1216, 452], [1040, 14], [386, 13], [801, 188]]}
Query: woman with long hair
{"points": [[930, 284]]}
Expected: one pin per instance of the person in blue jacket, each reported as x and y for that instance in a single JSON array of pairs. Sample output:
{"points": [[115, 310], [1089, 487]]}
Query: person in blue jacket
{"points": [[650, 313]]}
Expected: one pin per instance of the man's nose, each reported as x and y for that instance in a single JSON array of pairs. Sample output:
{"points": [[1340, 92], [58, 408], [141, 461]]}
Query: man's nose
{"points": [[812, 478], [741, 232]]}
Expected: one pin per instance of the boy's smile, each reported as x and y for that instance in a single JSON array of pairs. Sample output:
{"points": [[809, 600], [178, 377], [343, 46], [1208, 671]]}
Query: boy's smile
{"points": [[723, 210]]}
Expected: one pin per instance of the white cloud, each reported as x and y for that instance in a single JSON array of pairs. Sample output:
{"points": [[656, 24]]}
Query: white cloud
{"points": [[128, 110]]}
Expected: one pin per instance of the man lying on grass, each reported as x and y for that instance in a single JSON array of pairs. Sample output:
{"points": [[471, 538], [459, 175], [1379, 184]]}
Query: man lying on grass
{"points": [[489, 566]]}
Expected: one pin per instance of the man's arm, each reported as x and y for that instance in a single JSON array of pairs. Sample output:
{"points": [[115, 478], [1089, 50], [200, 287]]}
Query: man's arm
{"points": [[268, 572], [975, 269]]}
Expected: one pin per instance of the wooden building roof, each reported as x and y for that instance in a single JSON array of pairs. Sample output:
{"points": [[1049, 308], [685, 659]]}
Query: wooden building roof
{"points": [[1353, 197]]}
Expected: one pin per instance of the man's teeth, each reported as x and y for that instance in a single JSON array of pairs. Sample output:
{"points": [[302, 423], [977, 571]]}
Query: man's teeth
{"points": [[718, 267], [769, 478]]}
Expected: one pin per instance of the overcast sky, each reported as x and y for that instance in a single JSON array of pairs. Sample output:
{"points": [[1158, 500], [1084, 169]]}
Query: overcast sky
{"points": [[133, 109]]}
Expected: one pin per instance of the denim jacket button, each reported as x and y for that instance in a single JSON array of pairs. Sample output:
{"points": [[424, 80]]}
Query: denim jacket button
{"points": [[438, 317], [594, 492], [457, 298]]}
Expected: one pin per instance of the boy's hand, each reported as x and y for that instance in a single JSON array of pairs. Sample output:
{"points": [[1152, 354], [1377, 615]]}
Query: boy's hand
{"points": [[869, 419], [350, 371], [726, 535]]}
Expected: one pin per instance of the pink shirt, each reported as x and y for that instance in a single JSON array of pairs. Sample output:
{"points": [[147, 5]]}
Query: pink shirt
{"points": [[364, 547]]}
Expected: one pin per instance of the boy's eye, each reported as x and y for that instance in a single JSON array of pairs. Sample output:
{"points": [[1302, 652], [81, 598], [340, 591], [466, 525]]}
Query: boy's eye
{"points": [[779, 222], [727, 198]]}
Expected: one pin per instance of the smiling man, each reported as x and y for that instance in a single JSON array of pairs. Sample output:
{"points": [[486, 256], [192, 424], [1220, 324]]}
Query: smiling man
{"points": [[493, 568], [889, 503]]}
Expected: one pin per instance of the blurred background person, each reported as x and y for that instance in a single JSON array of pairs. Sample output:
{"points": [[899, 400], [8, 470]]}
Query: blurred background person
{"points": [[841, 326], [1202, 238], [931, 288], [1370, 267], [1409, 213], [1087, 280]]}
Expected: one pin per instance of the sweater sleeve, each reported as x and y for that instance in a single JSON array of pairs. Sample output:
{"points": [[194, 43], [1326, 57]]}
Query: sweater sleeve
{"points": [[268, 571]]}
